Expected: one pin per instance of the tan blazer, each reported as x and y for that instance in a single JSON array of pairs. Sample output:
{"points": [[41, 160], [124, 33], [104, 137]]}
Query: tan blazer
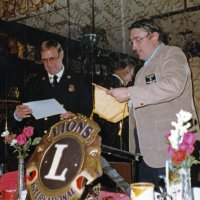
{"points": [[162, 88]]}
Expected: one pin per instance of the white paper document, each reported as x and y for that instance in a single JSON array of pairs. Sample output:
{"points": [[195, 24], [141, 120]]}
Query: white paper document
{"points": [[45, 108]]}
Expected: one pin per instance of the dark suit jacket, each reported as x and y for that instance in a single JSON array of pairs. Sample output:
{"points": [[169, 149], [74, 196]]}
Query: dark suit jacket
{"points": [[72, 92]]}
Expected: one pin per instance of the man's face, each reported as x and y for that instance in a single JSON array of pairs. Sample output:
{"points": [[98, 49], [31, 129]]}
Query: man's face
{"points": [[128, 75], [143, 43], [52, 60]]}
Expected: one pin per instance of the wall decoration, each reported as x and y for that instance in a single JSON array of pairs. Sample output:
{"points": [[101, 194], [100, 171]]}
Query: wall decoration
{"points": [[13, 8]]}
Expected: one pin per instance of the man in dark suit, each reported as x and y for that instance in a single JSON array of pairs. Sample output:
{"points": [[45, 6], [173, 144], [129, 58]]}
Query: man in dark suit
{"points": [[68, 89], [123, 72]]}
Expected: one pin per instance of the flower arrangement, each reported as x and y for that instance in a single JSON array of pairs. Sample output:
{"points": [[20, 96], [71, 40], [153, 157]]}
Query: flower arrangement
{"points": [[22, 141], [181, 141]]}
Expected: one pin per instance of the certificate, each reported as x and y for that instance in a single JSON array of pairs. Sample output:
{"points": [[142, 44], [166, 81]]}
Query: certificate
{"points": [[107, 107], [45, 108]]}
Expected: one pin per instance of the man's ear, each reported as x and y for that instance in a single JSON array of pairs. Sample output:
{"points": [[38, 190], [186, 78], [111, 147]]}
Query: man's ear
{"points": [[126, 70], [155, 36], [61, 54]]}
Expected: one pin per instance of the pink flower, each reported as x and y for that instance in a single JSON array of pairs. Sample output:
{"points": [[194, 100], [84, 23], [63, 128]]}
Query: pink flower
{"points": [[167, 134], [188, 142], [186, 147], [181, 141], [21, 139], [189, 138], [190, 149], [183, 146], [28, 131], [170, 150]]}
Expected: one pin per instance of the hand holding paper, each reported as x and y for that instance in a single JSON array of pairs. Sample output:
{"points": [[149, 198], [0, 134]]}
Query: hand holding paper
{"points": [[22, 111], [107, 107], [66, 115], [45, 108], [120, 94]]}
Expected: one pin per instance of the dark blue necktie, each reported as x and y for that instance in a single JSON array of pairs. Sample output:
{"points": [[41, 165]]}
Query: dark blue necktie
{"points": [[55, 82]]}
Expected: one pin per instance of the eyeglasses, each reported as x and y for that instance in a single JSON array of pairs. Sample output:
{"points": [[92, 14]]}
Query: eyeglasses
{"points": [[137, 40], [47, 60]]}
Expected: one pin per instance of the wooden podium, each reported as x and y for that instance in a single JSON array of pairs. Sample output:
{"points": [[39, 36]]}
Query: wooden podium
{"points": [[125, 163], [124, 169]]}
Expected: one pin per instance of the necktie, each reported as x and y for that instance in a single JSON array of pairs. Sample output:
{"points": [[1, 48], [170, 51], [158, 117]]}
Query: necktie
{"points": [[55, 82]]}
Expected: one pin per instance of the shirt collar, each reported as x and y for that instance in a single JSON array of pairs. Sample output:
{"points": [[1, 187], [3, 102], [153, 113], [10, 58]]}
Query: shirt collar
{"points": [[118, 78], [59, 74], [153, 54]]}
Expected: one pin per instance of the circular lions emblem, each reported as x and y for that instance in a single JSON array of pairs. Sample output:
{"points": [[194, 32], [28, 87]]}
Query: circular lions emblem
{"points": [[66, 159]]}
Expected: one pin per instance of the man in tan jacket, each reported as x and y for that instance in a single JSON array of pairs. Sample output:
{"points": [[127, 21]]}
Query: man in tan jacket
{"points": [[162, 88]]}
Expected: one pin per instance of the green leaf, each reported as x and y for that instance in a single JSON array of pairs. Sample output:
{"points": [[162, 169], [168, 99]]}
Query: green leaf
{"points": [[196, 162], [189, 162], [36, 140], [27, 145]]}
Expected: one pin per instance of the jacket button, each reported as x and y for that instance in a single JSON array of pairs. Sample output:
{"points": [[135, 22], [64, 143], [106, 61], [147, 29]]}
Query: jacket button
{"points": [[46, 118]]}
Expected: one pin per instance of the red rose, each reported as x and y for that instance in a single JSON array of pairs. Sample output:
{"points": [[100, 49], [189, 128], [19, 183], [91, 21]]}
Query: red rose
{"points": [[178, 156]]}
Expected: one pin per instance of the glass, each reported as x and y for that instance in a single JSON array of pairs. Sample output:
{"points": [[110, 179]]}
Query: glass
{"points": [[196, 193], [1, 169], [186, 184], [178, 181], [142, 191], [21, 185], [137, 40], [47, 60]]}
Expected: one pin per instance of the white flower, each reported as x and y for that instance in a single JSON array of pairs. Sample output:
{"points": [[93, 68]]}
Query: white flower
{"points": [[184, 116], [181, 127], [174, 139], [5, 133], [13, 142]]}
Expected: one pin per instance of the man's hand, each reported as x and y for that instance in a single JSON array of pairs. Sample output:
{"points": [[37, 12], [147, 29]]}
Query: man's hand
{"points": [[120, 94], [23, 111], [67, 115]]}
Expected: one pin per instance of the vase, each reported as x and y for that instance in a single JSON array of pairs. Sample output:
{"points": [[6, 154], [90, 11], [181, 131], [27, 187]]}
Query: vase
{"points": [[186, 183], [21, 185]]}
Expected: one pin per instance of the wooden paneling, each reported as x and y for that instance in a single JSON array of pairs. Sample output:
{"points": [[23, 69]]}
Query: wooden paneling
{"points": [[124, 169]]}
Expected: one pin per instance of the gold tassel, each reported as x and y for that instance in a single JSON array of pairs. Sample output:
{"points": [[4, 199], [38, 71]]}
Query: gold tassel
{"points": [[122, 122], [120, 128]]}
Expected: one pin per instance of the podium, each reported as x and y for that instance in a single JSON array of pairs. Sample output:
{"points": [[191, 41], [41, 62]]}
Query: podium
{"points": [[123, 162]]}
